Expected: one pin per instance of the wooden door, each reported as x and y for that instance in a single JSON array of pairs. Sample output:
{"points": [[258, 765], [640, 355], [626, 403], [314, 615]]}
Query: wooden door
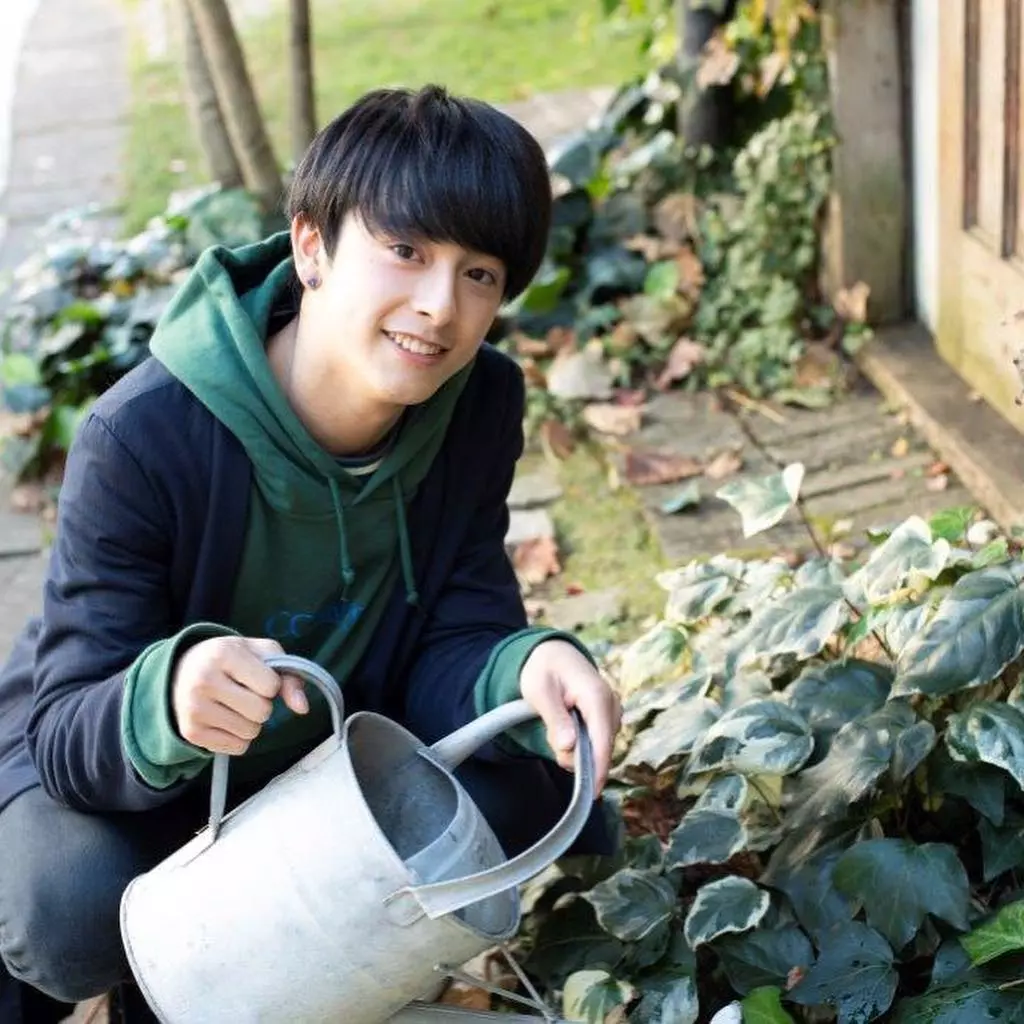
{"points": [[981, 196]]}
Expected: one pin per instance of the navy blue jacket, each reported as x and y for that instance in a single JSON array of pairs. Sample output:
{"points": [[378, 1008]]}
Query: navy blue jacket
{"points": [[150, 529]]}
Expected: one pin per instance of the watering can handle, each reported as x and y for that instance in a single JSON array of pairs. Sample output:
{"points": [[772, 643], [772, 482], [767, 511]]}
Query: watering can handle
{"points": [[310, 672], [438, 899]]}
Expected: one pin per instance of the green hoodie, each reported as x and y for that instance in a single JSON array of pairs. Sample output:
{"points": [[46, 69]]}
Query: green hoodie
{"points": [[323, 547]]}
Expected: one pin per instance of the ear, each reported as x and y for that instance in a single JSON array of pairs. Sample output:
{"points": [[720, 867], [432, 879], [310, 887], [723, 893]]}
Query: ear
{"points": [[307, 249]]}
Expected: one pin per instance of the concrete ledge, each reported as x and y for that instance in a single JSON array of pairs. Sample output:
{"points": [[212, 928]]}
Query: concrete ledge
{"points": [[984, 450]]}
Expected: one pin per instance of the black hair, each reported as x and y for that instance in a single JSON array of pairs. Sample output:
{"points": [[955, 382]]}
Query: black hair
{"points": [[435, 166]]}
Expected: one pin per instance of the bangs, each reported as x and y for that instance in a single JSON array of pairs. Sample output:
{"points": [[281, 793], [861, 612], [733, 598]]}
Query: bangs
{"points": [[425, 165]]}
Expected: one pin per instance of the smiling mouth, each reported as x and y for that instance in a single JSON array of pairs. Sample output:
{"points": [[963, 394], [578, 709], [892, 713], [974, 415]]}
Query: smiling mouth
{"points": [[417, 346]]}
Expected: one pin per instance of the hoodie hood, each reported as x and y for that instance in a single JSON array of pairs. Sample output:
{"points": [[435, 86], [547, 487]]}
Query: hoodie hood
{"points": [[213, 338]]}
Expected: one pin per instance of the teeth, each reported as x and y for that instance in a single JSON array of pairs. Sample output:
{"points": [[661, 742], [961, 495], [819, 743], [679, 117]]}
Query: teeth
{"points": [[414, 345]]}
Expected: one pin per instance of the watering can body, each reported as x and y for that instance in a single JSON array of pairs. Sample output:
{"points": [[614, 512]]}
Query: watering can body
{"points": [[340, 891]]}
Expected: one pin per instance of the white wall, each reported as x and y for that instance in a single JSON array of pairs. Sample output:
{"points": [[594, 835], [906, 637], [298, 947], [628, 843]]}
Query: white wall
{"points": [[925, 91]]}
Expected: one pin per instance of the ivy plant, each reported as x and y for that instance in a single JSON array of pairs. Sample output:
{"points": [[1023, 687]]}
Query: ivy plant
{"points": [[820, 790]]}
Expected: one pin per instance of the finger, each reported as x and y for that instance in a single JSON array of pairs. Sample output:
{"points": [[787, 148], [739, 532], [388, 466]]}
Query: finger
{"points": [[549, 703], [225, 692], [244, 663], [218, 742], [293, 694], [222, 718], [599, 714]]}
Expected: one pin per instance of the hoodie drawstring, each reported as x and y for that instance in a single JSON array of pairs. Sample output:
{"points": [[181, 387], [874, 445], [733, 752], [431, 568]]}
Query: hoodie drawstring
{"points": [[348, 574], [405, 553]]}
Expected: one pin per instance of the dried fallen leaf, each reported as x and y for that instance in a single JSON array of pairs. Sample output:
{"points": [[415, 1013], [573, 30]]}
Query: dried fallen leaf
{"points": [[630, 396], [852, 303], [533, 374], [623, 337], [937, 483], [469, 997], [28, 498], [937, 468], [536, 348], [675, 216], [651, 247], [560, 338], [900, 448], [654, 467], [556, 439], [818, 367], [724, 464], [771, 67], [686, 355], [719, 64], [691, 274], [583, 374], [575, 589], [608, 418], [536, 560], [897, 474]]}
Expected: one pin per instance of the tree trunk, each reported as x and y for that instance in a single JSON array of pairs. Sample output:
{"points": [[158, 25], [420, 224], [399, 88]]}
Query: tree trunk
{"points": [[303, 104], [704, 115], [204, 109], [238, 101]]}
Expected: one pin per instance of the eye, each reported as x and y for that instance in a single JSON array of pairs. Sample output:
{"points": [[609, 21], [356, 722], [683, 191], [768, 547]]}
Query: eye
{"points": [[483, 275], [403, 251]]}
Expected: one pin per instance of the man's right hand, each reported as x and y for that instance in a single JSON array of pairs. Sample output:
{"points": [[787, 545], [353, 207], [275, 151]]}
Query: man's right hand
{"points": [[222, 692]]}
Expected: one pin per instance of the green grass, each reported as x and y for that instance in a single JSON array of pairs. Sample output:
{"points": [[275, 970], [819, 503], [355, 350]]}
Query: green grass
{"points": [[498, 51], [604, 540]]}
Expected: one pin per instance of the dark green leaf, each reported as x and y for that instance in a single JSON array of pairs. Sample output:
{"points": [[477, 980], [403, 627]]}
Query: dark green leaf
{"points": [[860, 753], [763, 956], [705, 836], [983, 787], [577, 160], [761, 737], [898, 883], [806, 878], [976, 632], [764, 1006], [730, 904], [989, 732], [1002, 934], [913, 745], [545, 289], [951, 959], [570, 939], [854, 973], [1002, 849], [980, 995], [829, 696], [633, 905]]}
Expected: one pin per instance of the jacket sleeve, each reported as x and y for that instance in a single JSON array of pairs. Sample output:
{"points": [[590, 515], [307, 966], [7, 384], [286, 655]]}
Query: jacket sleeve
{"points": [[107, 597], [476, 637]]}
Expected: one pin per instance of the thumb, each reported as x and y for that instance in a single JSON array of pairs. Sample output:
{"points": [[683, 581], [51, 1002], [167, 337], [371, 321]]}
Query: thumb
{"points": [[549, 703], [293, 694]]}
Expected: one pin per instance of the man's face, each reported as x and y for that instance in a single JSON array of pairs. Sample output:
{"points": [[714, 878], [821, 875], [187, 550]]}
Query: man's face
{"points": [[394, 318]]}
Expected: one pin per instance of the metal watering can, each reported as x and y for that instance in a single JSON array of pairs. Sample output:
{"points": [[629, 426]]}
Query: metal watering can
{"points": [[345, 889]]}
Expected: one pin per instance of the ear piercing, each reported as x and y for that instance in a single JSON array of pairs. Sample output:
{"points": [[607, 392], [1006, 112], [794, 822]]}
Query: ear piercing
{"points": [[313, 281]]}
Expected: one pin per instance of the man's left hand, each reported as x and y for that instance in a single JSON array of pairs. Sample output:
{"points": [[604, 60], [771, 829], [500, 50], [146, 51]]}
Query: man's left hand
{"points": [[556, 678]]}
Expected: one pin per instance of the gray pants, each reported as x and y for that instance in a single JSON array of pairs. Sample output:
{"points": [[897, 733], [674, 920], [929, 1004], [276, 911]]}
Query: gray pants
{"points": [[62, 872]]}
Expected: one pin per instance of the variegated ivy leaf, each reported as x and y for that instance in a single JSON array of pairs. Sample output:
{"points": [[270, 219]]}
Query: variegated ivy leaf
{"points": [[976, 632], [730, 904], [908, 552], [644, 703], [673, 733], [990, 732], [761, 580], [669, 997], [634, 905], [743, 687], [798, 623], [705, 836], [831, 695], [762, 503], [762, 737], [700, 591], [592, 995], [655, 656], [903, 622], [725, 793]]}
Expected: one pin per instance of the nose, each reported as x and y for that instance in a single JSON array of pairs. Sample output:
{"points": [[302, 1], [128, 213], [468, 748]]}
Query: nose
{"points": [[435, 294]]}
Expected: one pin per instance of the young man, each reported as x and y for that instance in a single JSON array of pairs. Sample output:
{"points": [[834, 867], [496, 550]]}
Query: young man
{"points": [[316, 460]]}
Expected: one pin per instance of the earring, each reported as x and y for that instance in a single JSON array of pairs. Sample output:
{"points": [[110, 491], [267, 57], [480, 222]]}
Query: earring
{"points": [[313, 281]]}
